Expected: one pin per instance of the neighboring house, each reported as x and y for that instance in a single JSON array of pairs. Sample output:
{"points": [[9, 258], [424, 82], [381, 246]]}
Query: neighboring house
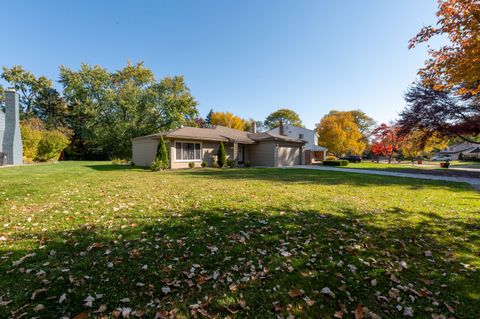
{"points": [[192, 144], [11, 151], [313, 150], [468, 149]]}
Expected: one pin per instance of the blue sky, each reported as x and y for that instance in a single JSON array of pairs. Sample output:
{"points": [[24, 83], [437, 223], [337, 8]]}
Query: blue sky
{"points": [[246, 57]]}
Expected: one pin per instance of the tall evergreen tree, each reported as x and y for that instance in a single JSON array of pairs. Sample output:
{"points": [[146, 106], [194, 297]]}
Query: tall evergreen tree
{"points": [[208, 119], [221, 155], [162, 154]]}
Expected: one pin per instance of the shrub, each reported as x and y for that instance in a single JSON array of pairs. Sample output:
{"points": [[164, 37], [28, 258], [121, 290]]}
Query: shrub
{"points": [[231, 163], [222, 156], [204, 164], [331, 158], [336, 163], [191, 164], [30, 139], [51, 145], [156, 165], [162, 154], [460, 156], [247, 164]]}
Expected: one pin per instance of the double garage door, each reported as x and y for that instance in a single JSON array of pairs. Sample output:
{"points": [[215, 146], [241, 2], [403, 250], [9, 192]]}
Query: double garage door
{"points": [[289, 155]]}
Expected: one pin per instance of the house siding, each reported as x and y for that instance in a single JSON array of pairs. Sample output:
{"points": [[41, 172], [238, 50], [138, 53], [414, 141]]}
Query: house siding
{"points": [[144, 151], [310, 136], [262, 153], [209, 152]]}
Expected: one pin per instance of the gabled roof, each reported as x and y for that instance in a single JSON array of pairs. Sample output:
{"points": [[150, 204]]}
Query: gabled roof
{"points": [[268, 136], [220, 134]]}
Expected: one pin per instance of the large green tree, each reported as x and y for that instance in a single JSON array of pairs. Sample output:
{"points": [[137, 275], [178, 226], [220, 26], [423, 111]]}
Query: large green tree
{"points": [[282, 116], [51, 108], [108, 109], [27, 85]]}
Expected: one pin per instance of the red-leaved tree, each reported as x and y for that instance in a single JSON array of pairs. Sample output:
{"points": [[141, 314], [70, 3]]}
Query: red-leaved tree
{"points": [[386, 141]]}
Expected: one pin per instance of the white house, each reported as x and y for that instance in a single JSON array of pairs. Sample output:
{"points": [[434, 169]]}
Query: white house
{"points": [[312, 149], [468, 149]]}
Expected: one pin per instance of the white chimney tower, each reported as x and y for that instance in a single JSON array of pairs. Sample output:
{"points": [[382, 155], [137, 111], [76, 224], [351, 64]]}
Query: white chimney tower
{"points": [[12, 139]]}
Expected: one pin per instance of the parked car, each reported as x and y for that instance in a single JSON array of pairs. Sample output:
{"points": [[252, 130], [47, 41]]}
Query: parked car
{"points": [[352, 158], [442, 158]]}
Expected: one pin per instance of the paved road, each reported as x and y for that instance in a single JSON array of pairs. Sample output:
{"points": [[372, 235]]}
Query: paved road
{"points": [[475, 182]]}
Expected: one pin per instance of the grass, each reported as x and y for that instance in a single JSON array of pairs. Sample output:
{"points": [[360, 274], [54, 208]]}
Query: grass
{"points": [[82, 239]]}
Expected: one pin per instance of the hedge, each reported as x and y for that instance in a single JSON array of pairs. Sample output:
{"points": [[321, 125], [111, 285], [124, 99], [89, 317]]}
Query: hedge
{"points": [[336, 163]]}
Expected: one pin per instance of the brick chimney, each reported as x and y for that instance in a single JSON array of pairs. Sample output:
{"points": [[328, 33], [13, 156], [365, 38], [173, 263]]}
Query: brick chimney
{"points": [[12, 139], [280, 128]]}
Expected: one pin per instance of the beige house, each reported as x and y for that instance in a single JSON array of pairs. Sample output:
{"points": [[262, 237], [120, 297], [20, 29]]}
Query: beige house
{"points": [[192, 144]]}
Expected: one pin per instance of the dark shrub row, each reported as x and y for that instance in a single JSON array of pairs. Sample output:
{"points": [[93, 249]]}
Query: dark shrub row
{"points": [[336, 163]]}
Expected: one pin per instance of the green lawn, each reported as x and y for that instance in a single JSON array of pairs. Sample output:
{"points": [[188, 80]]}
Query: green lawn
{"points": [[95, 239]]}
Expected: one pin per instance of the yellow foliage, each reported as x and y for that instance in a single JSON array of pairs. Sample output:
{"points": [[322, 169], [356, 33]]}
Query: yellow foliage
{"points": [[31, 135], [412, 145], [340, 134], [227, 119]]}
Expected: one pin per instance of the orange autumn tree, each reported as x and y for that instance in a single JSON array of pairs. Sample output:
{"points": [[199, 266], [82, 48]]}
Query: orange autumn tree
{"points": [[227, 119], [339, 132], [455, 65]]}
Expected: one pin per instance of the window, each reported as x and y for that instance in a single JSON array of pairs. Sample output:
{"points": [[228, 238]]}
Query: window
{"points": [[300, 136], [188, 151]]}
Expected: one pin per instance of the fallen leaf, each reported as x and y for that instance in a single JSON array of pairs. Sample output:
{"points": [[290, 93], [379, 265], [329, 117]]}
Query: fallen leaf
{"points": [[81, 315], [296, 292]]}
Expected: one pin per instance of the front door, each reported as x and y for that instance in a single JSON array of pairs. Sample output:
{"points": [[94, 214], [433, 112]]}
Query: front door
{"points": [[241, 153]]}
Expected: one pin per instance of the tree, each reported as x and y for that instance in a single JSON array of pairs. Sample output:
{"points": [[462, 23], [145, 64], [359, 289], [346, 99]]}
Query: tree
{"points": [[340, 134], [208, 119], [386, 141], [227, 119], [284, 116], [221, 155], [51, 108], [364, 122], [162, 155], [174, 102], [107, 109], [432, 111], [454, 65], [27, 85], [413, 145], [2, 96]]}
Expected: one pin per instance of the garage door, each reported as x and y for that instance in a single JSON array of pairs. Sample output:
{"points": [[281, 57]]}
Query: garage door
{"points": [[288, 155]]}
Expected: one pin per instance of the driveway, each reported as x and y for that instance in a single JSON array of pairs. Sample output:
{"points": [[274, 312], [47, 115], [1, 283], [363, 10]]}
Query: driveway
{"points": [[475, 182]]}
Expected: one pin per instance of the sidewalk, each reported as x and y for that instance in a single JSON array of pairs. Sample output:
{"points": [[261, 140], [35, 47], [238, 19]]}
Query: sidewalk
{"points": [[475, 182]]}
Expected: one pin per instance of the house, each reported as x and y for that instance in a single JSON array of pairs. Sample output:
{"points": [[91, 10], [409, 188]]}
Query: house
{"points": [[466, 148], [11, 151], [312, 150], [193, 144]]}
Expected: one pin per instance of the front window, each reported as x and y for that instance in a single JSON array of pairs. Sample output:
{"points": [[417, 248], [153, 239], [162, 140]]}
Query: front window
{"points": [[187, 151], [300, 136]]}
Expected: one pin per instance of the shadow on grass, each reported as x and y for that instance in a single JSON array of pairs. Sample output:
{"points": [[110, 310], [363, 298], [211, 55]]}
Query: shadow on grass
{"points": [[116, 167], [323, 177], [244, 263]]}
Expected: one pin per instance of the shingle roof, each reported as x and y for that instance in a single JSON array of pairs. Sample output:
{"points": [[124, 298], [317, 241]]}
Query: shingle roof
{"points": [[221, 134]]}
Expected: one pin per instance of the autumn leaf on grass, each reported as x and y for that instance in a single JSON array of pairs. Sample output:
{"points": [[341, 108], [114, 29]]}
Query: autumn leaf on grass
{"points": [[81, 315], [296, 292]]}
